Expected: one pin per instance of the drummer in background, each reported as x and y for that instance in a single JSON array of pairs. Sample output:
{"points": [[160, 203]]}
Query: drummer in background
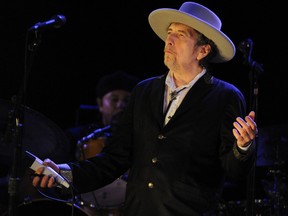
{"points": [[112, 95]]}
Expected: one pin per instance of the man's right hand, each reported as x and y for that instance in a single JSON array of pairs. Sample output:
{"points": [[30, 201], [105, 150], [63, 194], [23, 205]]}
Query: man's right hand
{"points": [[44, 181]]}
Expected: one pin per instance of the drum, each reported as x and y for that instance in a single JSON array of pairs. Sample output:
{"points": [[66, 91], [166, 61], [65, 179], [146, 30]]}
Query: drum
{"points": [[109, 199], [90, 148], [47, 207]]}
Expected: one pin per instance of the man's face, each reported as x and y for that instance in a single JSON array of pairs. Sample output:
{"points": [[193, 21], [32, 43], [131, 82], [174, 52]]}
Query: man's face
{"points": [[181, 49], [112, 103]]}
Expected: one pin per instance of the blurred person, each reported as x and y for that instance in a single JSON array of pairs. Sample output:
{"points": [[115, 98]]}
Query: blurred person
{"points": [[112, 95], [182, 134]]}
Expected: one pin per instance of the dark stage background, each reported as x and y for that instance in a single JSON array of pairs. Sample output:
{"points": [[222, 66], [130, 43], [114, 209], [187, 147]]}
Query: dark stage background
{"points": [[99, 38]]}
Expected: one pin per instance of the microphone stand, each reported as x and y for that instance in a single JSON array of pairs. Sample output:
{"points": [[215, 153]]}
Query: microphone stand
{"points": [[17, 121], [255, 70]]}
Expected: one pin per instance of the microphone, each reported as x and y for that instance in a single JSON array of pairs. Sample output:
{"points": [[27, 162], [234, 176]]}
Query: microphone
{"points": [[246, 48], [94, 134], [55, 22]]}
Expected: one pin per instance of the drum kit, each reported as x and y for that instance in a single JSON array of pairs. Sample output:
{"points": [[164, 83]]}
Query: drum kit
{"points": [[109, 199], [44, 138], [271, 177]]}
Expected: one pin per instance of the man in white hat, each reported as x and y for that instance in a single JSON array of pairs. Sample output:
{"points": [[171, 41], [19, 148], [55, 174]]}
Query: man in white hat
{"points": [[182, 133]]}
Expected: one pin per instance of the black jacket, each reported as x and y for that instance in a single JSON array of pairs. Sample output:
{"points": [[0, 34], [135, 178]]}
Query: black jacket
{"points": [[178, 169]]}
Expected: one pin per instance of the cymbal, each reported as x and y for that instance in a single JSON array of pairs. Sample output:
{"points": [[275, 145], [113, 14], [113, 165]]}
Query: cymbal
{"points": [[272, 145], [40, 135]]}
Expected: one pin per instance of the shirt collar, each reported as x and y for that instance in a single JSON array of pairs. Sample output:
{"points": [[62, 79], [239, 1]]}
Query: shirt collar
{"points": [[171, 84]]}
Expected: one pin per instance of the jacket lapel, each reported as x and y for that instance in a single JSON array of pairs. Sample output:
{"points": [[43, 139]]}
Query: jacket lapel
{"points": [[194, 95], [157, 99]]}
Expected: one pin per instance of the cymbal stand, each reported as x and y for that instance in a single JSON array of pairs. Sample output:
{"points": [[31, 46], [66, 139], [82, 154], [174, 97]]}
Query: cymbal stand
{"points": [[17, 120], [277, 198], [255, 70]]}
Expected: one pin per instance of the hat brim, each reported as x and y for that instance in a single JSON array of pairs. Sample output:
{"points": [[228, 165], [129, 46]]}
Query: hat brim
{"points": [[160, 20]]}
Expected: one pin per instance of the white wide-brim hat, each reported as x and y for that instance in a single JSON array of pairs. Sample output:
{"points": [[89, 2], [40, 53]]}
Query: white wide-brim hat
{"points": [[198, 17]]}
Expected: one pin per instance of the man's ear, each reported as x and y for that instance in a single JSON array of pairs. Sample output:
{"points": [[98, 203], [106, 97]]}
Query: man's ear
{"points": [[204, 51], [99, 101]]}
